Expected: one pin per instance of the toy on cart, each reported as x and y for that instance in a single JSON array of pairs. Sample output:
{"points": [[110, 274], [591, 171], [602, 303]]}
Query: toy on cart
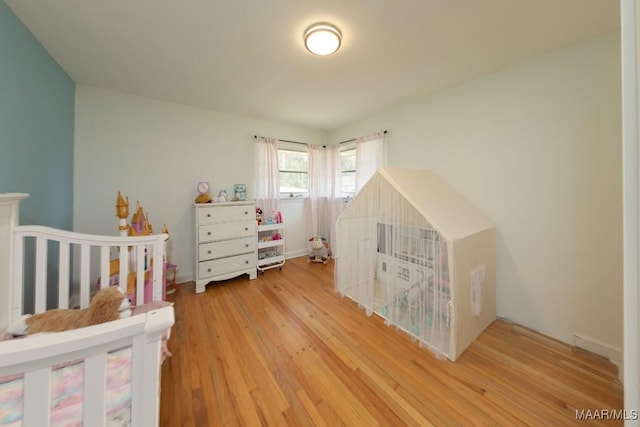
{"points": [[318, 250]]}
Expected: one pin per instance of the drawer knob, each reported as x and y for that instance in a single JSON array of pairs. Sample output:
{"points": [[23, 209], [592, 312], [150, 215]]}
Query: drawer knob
{"points": [[208, 270], [208, 215], [246, 262], [246, 213], [209, 252], [208, 233], [246, 245], [246, 229]]}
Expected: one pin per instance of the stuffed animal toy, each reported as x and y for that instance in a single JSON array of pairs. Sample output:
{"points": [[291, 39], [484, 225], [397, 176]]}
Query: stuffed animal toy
{"points": [[107, 304], [204, 198], [318, 250], [221, 197]]}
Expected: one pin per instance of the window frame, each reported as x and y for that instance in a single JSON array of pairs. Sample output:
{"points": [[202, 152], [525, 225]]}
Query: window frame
{"points": [[293, 147], [348, 146]]}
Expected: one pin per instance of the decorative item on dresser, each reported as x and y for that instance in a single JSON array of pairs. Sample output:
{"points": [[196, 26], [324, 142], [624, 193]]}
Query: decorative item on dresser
{"points": [[225, 241]]}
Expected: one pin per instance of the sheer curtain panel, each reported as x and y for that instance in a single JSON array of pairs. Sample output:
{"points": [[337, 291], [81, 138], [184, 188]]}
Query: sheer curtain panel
{"points": [[316, 203], [370, 155], [267, 175], [336, 201]]}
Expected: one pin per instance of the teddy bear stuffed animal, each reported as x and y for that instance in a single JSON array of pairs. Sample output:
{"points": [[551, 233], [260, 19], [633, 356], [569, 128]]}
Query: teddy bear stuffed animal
{"points": [[107, 304]]}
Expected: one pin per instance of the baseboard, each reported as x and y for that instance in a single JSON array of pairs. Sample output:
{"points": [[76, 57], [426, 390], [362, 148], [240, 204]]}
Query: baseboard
{"points": [[592, 345], [296, 254], [184, 278]]}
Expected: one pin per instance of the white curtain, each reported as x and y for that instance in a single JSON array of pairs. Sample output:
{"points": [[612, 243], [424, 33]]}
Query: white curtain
{"points": [[370, 155], [336, 202], [325, 202], [316, 202], [267, 175]]}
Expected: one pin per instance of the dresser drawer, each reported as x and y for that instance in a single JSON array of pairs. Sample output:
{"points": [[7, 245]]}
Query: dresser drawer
{"points": [[227, 230], [225, 265], [226, 248], [225, 213]]}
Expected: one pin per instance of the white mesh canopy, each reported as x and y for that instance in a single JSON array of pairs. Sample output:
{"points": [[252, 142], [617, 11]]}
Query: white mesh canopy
{"points": [[396, 263]]}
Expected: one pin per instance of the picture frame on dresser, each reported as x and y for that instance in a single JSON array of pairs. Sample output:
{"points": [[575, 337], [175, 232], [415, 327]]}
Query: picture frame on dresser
{"points": [[240, 192], [225, 241]]}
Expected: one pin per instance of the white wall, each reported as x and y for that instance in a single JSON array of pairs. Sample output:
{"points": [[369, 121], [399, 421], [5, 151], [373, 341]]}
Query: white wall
{"points": [[538, 149], [156, 152]]}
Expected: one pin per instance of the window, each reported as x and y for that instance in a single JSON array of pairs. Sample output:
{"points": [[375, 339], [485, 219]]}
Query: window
{"points": [[293, 169], [348, 169]]}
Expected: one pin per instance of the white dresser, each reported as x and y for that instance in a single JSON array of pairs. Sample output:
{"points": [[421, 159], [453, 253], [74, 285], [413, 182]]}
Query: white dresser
{"points": [[225, 241]]}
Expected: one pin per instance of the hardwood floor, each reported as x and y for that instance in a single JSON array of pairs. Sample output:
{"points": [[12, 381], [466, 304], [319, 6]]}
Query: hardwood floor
{"points": [[286, 350]]}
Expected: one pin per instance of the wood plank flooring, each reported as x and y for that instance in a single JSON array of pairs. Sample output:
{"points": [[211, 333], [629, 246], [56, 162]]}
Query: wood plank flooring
{"points": [[286, 350]]}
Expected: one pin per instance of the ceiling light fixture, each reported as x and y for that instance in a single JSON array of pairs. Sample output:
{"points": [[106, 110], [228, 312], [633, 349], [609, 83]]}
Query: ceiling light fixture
{"points": [[322, 39]]}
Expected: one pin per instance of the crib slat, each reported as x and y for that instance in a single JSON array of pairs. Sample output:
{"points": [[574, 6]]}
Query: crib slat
{"points": [[36, 406], [145, 376], [94, 390], [158, 271], [63, 276], [41, 275], [124, 268], [85, 270], [18, 277], [105, 277], [140, 270]]}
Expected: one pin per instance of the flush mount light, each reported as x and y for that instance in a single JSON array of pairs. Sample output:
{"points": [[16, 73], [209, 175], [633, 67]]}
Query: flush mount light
{"points": [[322, 39]]}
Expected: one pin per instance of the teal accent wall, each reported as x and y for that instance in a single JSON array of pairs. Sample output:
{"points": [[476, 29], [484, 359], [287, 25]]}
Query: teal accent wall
{"points": [[36, 126]]}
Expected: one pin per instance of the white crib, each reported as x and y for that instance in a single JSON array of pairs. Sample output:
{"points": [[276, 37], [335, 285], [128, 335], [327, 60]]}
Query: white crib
{"points": [[81, 259]]}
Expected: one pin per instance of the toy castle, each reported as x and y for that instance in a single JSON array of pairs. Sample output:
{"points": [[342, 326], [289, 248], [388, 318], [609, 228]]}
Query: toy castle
{"points": [[140, 226]]}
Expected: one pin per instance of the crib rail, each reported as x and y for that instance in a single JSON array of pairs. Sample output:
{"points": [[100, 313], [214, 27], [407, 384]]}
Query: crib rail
{"points": [[35, 357], [76, 248]]}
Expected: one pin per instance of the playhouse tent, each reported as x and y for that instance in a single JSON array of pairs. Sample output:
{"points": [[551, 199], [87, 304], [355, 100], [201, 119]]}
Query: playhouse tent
{"points": [[415, 252]]}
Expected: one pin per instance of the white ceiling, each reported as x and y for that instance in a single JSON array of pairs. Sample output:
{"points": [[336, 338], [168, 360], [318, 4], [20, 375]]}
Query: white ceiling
{"points": [[246, 56]]}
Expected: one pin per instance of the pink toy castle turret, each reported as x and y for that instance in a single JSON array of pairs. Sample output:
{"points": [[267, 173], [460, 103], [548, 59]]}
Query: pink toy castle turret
{"points": [[140, 225]]}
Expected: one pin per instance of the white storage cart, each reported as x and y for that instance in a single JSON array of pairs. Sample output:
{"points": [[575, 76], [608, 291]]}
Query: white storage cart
{"points": [[271, 246]]}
